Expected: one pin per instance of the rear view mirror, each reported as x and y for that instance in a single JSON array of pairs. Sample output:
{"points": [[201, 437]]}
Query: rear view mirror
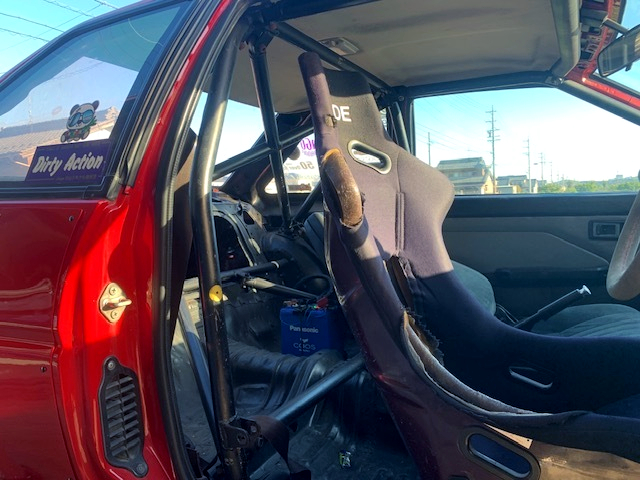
{"points": [[620, 53]]}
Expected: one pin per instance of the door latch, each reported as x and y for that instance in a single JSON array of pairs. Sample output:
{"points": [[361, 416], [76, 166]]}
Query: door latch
{"points": [[112, 302]]}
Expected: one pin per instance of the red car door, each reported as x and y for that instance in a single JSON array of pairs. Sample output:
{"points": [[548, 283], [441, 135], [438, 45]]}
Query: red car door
{"points": [[79, 395]]}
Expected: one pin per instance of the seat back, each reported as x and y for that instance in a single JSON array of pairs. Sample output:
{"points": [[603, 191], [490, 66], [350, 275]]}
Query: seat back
{"points": [[383, 203]]}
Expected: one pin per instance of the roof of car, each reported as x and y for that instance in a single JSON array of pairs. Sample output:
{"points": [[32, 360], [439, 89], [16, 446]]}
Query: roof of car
{"points": [[417, 42]]}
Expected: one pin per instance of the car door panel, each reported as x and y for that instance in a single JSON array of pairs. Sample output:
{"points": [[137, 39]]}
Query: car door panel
{"points": [[31, 277], [535, 249]]}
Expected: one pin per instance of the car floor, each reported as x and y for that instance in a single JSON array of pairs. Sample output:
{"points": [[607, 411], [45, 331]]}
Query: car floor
{"points": [[348, 435]]}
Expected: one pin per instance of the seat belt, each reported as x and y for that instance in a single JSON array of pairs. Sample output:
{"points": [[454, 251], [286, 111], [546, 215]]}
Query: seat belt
{"points": [[277, 434]]}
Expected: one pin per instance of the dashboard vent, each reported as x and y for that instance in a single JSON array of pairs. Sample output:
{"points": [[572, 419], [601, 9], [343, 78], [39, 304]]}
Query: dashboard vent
{"points": [[122, 429]]}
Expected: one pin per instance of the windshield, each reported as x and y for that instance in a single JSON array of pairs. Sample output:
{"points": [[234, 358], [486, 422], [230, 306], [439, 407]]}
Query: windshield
{"points": [[629, 78]]}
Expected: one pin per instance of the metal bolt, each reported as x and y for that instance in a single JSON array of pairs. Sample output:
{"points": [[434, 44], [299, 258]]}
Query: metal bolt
{"points": [[111, 365], [43, 369], [242, 439], [114, 315], [113, 290], [141, 468], [71, 218], [253, 429]]}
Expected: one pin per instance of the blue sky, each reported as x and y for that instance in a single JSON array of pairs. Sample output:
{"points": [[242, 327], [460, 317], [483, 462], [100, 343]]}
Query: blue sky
{"points": [[26, 25]]}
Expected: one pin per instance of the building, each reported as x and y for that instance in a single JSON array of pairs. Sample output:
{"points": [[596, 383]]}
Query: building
{"points": [[516, 184], [470, 176]]}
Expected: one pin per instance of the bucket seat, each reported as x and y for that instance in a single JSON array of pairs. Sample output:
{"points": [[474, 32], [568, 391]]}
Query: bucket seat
{"points": [[448, 355]]}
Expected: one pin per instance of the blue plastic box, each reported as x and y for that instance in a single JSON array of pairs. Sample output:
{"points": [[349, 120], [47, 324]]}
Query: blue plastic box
{"points": [[305, 330]]}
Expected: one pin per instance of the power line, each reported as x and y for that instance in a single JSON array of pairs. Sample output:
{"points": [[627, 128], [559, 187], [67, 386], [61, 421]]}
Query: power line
{"points": [[24, 35], [56, 27], [30, 21], [77, 16], [444, 137], [67, 7], [101, 2]]}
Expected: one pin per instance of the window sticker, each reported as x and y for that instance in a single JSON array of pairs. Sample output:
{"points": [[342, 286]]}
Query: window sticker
{"points": [[69, 163], [81, 119]]}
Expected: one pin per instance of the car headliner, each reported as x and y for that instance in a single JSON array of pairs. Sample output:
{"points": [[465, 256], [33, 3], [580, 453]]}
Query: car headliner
{"points": [[418, 42]]}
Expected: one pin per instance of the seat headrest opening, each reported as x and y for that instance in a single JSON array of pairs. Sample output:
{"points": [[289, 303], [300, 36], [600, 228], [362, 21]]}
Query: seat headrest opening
{"points": [[369, 156]]}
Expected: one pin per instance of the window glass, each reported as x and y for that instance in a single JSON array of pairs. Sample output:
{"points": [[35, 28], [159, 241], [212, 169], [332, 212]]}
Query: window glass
{"points": [[241, 130], [56, 119], [537, 140], [300, 168]]}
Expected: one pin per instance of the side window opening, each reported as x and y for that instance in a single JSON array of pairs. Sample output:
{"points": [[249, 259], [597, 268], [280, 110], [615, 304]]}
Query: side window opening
{"points": [[241, 128], [56, 118], [248, 241], [526, 141]]}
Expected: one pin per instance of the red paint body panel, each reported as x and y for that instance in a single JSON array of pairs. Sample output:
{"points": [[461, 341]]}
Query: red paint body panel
{"points": [[116, 246], [62, 255], [36, 446], [35, 238]]}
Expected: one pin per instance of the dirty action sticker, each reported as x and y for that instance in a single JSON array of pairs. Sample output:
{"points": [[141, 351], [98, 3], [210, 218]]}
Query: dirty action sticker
{"points": [[70, 163]]}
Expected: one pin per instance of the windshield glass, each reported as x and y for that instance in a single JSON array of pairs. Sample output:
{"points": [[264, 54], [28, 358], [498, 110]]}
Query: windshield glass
{"points": [[629, 78]]}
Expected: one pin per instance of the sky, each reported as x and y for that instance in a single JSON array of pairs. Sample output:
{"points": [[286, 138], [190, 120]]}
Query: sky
{"points": [[27, 25], [573, 139]]}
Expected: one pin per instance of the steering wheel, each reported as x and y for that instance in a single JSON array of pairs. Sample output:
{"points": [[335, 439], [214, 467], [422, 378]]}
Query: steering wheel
{"points": [[623, 278]]}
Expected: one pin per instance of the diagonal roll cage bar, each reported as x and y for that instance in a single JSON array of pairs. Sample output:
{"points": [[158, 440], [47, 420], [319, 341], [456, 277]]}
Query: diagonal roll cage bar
{"points": [[258, 54]]}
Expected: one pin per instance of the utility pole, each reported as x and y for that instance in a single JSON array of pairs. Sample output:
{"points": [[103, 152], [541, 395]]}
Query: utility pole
{"points": [[492, 139], [542, 162], [528, 154], [429, 146]]}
